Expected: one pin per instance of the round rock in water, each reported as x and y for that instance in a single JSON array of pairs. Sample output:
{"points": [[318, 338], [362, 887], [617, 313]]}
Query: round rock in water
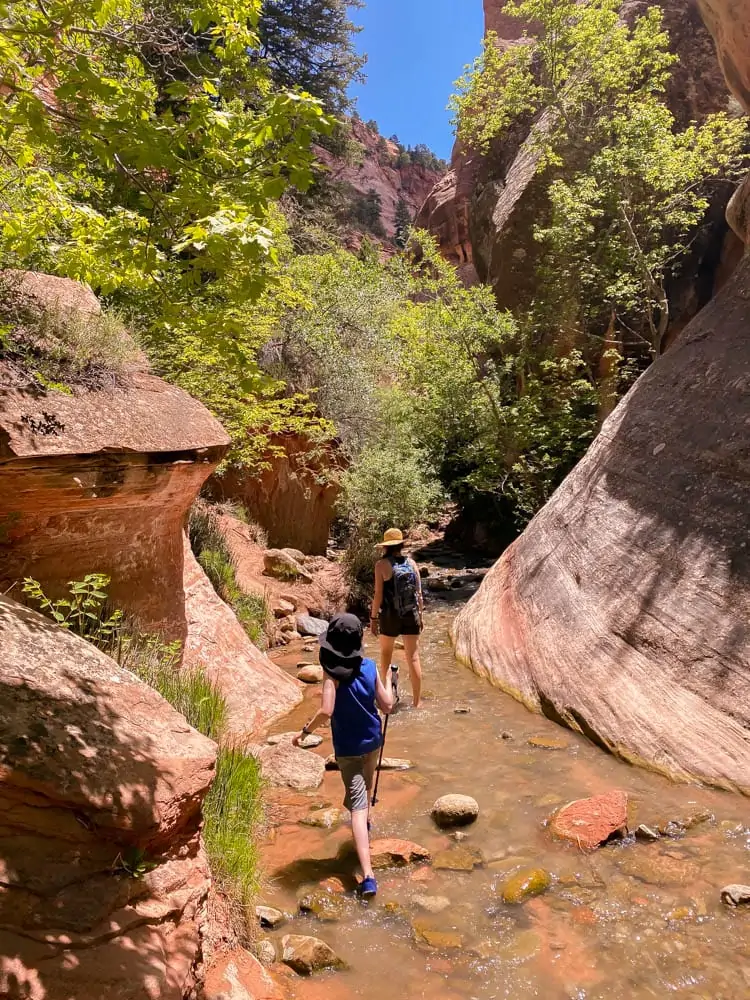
{"points": [[310, 673], [455, 810], [735, 895]]}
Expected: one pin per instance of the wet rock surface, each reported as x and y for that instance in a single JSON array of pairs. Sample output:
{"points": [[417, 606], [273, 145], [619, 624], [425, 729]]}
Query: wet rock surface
{"points": [[290, 766], [307, 954], [324, 905], [588, 823], [457, 859], [393, 853], [307, 625], [269, 916], [735, 895], [455, 810], [526, 884]]}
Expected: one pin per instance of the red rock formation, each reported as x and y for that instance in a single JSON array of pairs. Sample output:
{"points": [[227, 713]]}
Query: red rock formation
{"points": [[257, 691], [293, 498], [378, 171], [87, 792], [622, 610], [100, 481]]}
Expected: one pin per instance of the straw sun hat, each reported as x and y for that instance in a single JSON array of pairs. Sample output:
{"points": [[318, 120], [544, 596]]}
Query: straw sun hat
{"points": [[392, 537]]}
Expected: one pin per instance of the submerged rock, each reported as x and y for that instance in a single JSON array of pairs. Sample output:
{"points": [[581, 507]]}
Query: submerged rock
{"points": [[524, 885], [324, 819], [308, 954], [445, 940], [455, 810], [658, 869], [324, 905], [588, 823], [548, 743], [458, 859], [431, 904], [308, 742]]}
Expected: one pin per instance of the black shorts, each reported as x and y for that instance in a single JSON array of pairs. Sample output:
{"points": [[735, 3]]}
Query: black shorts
{"points": [[393, 625]]}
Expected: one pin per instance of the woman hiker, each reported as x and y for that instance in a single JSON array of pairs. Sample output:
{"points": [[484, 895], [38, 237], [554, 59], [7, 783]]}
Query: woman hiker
{"points": [[397, 608], [352, 694]]}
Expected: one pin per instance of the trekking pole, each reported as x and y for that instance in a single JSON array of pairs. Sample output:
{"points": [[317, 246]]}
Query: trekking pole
{"points": [[394, 675]]}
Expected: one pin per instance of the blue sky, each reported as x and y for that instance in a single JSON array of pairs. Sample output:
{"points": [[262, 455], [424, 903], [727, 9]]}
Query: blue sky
{"points": [[416, 49]]}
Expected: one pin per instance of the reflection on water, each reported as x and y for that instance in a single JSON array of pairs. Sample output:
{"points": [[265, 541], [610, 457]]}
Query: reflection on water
{"points": [[631, 921]]}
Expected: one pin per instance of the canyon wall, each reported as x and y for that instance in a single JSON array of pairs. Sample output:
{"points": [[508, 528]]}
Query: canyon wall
{"points": [[484, 210], [293, 499], [622, 611]]}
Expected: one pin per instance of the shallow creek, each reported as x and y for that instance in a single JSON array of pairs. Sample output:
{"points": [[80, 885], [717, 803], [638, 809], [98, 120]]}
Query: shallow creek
{"points": [[631, 921]]}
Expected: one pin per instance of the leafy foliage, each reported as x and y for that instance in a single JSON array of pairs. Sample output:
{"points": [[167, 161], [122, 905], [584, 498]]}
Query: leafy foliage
{"points": [[309, 44], [626, 185], [367, 210], [403, 223], [141, 150]]}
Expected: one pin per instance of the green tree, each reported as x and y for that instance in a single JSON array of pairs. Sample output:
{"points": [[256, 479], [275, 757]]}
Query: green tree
{"points": [[403, 222], [368, 212], [141, 152], [626, 185], [309, 44]]}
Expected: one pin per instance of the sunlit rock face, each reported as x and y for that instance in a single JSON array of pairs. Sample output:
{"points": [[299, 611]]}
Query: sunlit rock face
{"points": [[622, 611]]}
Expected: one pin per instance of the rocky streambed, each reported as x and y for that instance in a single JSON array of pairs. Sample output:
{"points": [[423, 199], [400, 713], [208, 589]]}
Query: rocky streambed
{"points": [[502, 906]]}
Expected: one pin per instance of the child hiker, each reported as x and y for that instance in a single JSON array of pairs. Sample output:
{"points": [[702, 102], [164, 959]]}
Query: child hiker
{"points": [[352, 694]]}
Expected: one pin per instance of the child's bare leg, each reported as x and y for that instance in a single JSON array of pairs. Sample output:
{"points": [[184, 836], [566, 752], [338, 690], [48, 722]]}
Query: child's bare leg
{"points": [[362, 840]]}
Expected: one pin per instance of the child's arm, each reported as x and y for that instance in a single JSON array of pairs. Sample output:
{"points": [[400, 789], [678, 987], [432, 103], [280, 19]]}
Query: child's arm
{"points": [[384, 693], [324, 713]]}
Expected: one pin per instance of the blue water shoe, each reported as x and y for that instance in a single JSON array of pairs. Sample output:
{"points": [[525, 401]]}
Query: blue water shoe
{"points": [[368, 888]]}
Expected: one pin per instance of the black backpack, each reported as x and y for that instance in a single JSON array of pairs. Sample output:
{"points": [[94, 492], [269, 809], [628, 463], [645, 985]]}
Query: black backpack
{"points": [[405, 587]]}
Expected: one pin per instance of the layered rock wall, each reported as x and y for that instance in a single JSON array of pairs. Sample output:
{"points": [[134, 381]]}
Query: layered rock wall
{"points": [[293, 499], [103, 873], [622, 610]]}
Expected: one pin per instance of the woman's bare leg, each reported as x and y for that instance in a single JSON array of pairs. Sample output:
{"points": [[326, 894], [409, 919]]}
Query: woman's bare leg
{"points": [[387, 643], [411, 649]]}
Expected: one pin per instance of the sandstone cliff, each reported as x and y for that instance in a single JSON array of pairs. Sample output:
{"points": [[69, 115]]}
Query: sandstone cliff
{"points": [[622, 610], [377, 168], [100, 481], [484, 210], [98, 775]]}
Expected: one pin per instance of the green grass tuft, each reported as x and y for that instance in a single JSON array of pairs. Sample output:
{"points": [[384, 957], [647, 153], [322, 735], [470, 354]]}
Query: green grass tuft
{"points": [[233, 811]]}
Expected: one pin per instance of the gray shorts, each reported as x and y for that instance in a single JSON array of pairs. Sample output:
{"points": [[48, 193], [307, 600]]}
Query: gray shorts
{"points": [[358, 774]]}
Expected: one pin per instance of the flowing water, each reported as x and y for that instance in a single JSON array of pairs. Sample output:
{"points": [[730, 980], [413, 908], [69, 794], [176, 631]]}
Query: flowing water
{"points": [[632, 920]]}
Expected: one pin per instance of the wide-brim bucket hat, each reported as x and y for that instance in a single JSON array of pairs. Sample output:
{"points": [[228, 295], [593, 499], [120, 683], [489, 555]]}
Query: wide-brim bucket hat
{"points": [[342, 647]]}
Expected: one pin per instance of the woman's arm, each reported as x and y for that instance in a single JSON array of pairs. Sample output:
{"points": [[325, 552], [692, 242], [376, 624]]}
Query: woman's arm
{"points": [[324, 713], [384, 693], [378, 598]]}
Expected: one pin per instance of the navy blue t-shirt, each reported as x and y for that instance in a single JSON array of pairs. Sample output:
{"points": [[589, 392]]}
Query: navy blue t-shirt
{"points": [[355, 723]]}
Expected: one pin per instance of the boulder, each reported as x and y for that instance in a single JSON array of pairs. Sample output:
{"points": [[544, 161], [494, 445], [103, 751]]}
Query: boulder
{"points": [[307, 625], [393, 853], [735, 895], [620, 611], [238, 975], [269, 916], [283, 608], [99, 778], [588, 823], [310, 673], [455, 810], [290, 766], [100, 481], [308, 954], [265, 951], [257, 691], [279, 564]]}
